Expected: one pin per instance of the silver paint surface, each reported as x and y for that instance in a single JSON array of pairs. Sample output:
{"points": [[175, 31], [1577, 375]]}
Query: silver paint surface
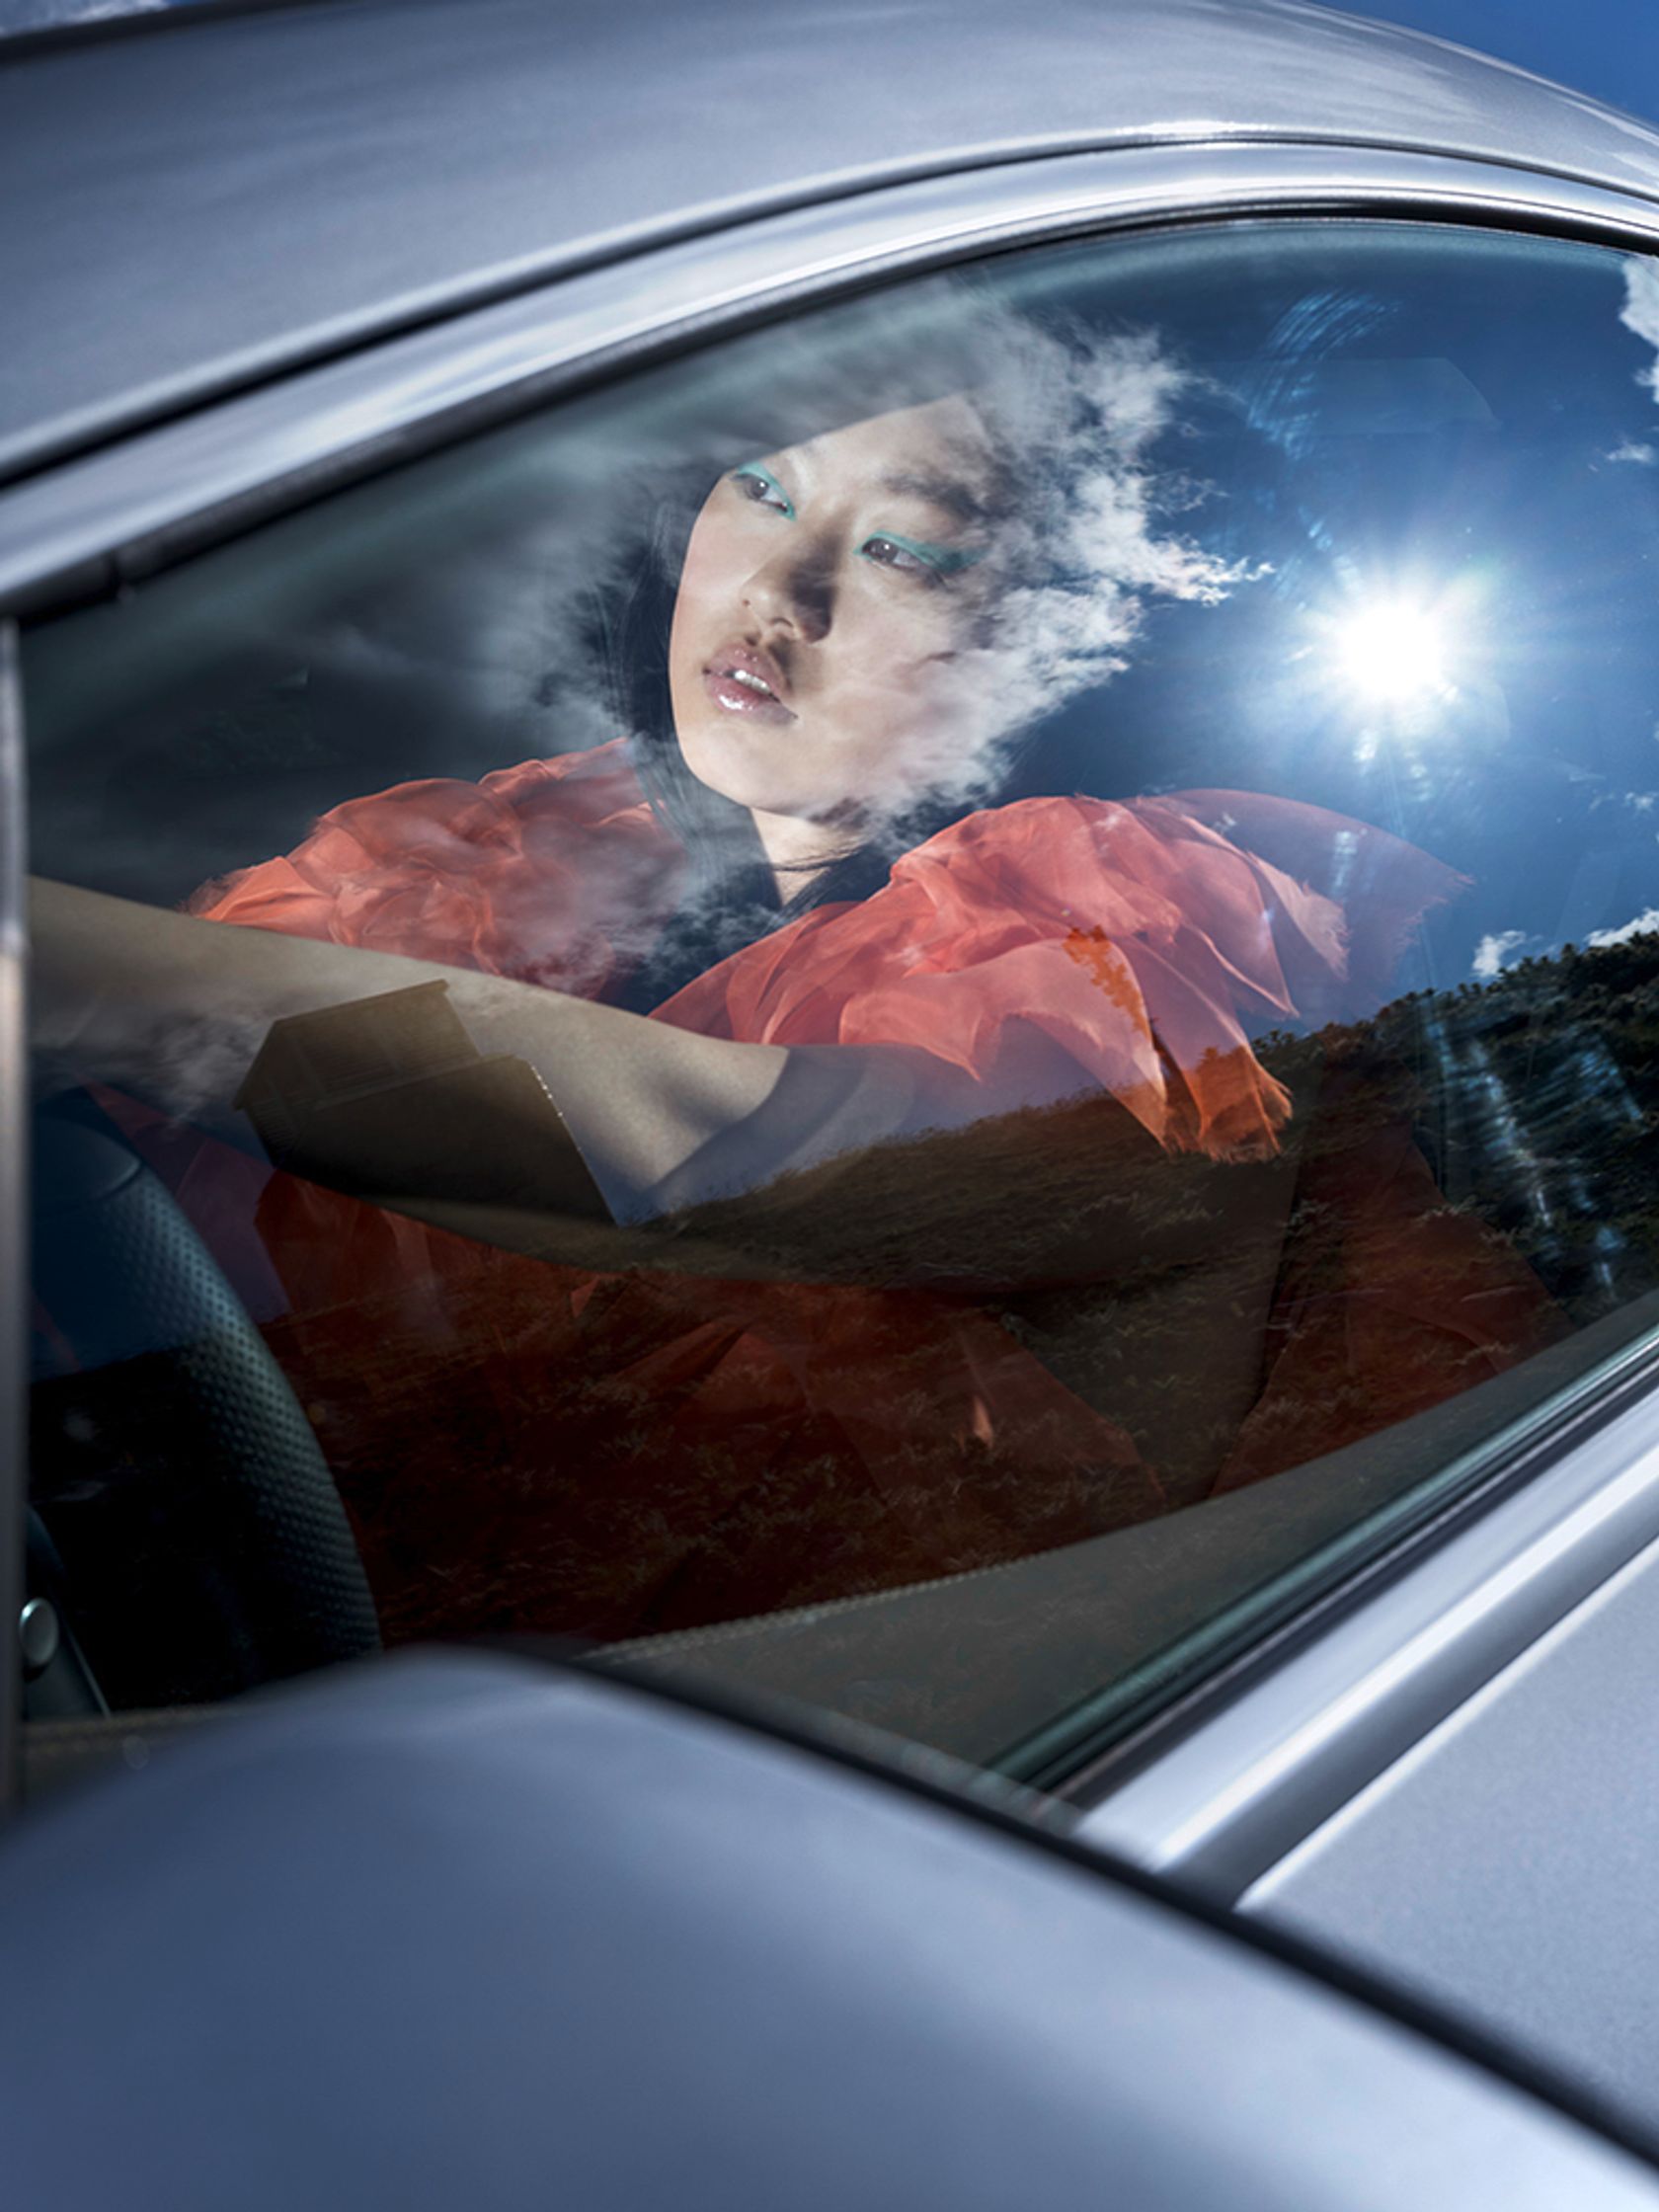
{"points": [[1508, 1865], [14, 1175], [387, 400], [209, 198], [1242, 1792], [659, 1960]]}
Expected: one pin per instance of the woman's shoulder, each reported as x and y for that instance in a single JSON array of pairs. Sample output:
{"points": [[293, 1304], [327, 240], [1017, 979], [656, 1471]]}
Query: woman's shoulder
{"points": [[540, 870], [431, 822], [1136, 936], [1330, 851], [1036, 950], [595, 785], [594, 788], [1340, 897]]}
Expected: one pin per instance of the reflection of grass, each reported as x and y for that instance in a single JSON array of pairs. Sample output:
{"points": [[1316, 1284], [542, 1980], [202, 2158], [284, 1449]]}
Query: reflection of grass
{"points": [[1141, 1279], [1073, 1192], [525, 1445], [1163, 1288], [1534, 1100]]}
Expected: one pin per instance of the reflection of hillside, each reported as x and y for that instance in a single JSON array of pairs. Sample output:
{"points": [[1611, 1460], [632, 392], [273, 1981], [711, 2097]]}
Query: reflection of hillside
{"points": [[1533, 1106], [1465, 1176], [1075, 1192], [1536, 1099], [638, 1449]]}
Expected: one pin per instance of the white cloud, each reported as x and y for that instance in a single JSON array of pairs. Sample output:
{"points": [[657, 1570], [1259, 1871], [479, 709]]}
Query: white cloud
{"points": [[1641, 309], [1079, 421], [1632, 451], [1492, 952], [1638, 802], [1644, 924], [502, 647]]}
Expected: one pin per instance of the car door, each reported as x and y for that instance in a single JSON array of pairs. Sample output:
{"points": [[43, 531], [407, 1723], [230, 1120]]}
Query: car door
{"points": [[1186, 1471]]}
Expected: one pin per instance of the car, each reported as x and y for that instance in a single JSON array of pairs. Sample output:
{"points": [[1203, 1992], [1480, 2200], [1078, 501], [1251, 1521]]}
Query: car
{"points": [[831, 921]]}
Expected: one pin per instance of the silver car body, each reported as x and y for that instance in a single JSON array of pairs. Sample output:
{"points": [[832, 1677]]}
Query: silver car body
{"points": [[422, 215]]}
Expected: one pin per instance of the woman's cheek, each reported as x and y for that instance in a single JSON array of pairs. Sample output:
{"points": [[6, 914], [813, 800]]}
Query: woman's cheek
{"points": [[902, 631], [707, 558], [722, 556]]}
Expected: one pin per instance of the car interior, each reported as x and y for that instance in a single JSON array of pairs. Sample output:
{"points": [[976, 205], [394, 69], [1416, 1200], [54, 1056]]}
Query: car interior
{"points": [[1351, 433]]}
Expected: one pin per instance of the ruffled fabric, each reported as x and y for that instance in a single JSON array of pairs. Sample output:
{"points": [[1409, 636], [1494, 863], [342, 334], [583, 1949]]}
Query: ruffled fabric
{"points": [[524, 1446], [1060, 945], [554, 872], [1037, 949]]}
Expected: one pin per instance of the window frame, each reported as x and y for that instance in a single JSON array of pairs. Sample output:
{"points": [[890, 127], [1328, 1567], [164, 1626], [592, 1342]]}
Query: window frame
{"points": [[1229, 1781], [14, 1206], [81, 530]]}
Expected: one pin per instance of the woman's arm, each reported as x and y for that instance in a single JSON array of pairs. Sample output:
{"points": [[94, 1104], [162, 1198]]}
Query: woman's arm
{"points": [[177, 1009]]}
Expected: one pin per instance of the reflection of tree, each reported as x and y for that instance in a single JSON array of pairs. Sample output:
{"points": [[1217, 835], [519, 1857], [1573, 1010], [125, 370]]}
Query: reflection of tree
{"points": [[1536, 1099]]}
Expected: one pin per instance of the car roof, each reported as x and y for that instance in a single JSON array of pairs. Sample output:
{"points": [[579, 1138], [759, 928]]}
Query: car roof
{"points": [[211, 194]]}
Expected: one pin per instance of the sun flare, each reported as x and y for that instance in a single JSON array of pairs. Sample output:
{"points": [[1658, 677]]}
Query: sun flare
{"points": [[1392, 652]]}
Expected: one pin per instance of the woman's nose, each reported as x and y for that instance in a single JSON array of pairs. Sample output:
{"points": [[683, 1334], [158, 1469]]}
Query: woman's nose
{"points": [[792, 591]]}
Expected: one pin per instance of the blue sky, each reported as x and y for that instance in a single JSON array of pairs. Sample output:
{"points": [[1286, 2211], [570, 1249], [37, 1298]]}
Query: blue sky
{"points": [[1607, 47]]}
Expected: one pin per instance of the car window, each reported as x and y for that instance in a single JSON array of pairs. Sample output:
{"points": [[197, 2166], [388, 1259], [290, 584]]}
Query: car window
{"points": [[924, 1009]]}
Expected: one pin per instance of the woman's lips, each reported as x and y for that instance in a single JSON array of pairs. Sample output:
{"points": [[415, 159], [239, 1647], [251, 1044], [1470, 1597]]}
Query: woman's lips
{"points": [[741, 681]]}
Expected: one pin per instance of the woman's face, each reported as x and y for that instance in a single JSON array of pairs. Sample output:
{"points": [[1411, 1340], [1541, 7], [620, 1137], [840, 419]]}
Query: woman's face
{"points": [[817, 660]]}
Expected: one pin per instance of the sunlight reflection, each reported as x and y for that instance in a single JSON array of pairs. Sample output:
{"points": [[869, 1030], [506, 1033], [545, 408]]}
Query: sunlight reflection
{"points": [[1404, 664], [1392, 652]]}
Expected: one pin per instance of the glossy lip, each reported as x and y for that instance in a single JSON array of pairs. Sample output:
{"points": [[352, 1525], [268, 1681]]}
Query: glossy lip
{"points": [[736, 660]]}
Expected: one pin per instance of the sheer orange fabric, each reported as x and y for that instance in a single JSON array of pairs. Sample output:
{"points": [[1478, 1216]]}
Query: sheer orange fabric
{"points": [[1133, 935], [527, 1445], [554, 872]]}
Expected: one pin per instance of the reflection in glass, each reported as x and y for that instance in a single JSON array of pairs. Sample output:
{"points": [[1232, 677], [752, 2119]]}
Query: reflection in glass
{"points": [[1009, 911]]}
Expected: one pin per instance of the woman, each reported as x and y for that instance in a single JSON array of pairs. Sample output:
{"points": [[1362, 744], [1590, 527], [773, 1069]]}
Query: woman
{"points": [[840, 953]]}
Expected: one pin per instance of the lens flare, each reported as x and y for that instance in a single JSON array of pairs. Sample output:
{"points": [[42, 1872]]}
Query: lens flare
{"points": [[1392, 652]]}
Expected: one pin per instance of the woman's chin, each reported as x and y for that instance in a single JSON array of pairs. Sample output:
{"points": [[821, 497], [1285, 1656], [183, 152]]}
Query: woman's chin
{"points": [[742, 766]]}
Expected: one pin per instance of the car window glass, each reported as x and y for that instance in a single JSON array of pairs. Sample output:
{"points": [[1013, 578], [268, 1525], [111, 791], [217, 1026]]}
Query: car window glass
{"points": [[923, 1010]]}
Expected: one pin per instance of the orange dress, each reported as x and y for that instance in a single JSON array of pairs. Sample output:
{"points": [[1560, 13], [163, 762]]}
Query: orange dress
{"points": [[524, 1446]]}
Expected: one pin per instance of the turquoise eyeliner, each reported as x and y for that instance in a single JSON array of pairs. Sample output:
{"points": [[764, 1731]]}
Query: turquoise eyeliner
{"points": [[759, 475], [944, 560], [941, 560]]}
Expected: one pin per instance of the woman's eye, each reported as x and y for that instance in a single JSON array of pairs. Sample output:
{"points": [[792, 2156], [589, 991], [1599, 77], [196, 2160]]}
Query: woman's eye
{"points": [[934, 563], [763, 490], [891, 555]]}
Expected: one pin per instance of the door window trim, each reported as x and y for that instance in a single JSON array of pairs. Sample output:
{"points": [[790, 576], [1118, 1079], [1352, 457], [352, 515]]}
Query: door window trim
{"points": [[81, 529], [1291, 1746]]}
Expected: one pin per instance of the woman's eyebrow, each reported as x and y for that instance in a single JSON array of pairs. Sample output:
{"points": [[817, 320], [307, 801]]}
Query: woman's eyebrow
{"points": [[947, 491]]}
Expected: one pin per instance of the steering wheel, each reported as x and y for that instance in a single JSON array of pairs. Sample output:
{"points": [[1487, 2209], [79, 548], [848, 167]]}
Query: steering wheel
{"points": [[203, 1543]]}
